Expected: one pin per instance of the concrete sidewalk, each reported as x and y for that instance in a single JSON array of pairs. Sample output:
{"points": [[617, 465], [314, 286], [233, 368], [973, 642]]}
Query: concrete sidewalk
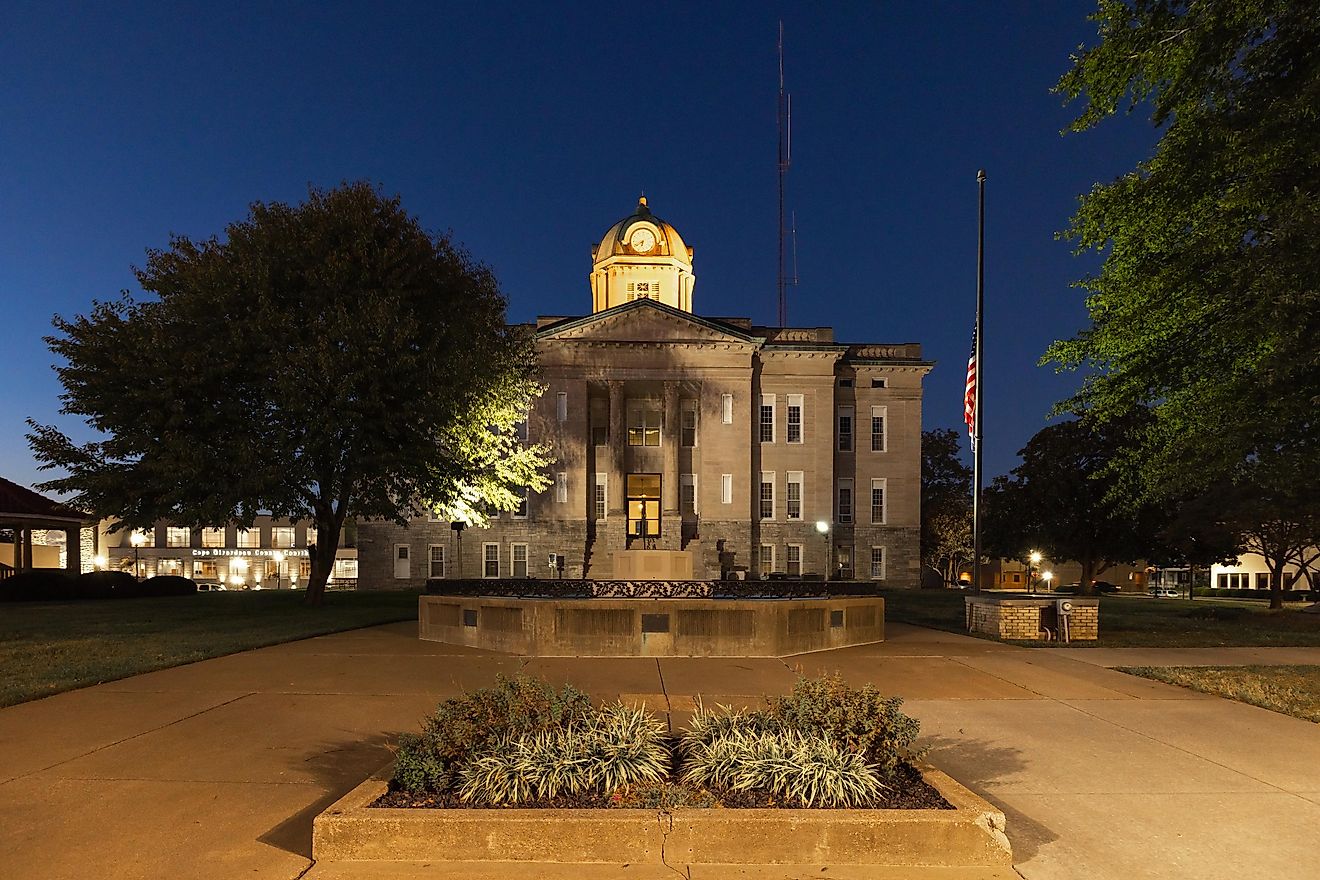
{"points": [[1112, 657], [216, 769]]}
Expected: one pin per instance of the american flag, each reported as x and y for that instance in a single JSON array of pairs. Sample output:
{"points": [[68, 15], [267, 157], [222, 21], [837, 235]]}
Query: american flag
{"points": [[969, 395]]}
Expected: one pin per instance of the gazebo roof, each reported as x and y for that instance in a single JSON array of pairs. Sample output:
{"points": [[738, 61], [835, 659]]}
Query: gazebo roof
{"points": [[22, 503]]}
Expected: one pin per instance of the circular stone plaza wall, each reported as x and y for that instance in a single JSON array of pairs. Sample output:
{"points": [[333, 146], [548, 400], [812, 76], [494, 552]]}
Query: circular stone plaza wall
{"points": [[551, 618]]}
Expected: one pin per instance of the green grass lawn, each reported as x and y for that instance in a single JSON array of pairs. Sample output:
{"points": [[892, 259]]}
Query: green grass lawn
{"points": [[1128, 621], [1292, 690], [46, 648]]}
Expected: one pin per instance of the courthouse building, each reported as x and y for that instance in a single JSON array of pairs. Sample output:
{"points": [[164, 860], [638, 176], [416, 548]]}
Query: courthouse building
{"points": [[729, 448]]}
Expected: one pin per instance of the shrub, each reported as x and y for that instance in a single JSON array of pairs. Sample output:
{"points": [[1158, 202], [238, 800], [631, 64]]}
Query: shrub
{"points": [[810, 769], [611, 749], [462, 727], [38, 585], [858, 719], [106, 585], [167, 585]]}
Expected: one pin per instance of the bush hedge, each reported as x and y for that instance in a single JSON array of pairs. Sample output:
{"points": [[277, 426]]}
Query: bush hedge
{"points": [[1288, 595], [51, 585]]}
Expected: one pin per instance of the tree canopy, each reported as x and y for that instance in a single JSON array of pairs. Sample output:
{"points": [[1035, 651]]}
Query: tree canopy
{"points": [[946, 504], [323, 360], [1060, 501], [1207, 305]]}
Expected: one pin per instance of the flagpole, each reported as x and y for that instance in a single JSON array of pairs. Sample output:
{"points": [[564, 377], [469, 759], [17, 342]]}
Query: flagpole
{"points": [[980, 372]]}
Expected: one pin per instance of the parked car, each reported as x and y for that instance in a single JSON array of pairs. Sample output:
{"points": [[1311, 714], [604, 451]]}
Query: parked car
{"points": [[1100, 587], [1164, 593]]}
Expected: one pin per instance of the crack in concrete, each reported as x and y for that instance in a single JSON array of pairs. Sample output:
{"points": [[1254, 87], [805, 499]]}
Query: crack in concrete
{"points": [[220, 705], [664, 817]]}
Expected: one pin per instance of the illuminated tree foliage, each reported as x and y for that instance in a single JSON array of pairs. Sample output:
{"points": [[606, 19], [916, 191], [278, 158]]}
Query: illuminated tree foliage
{"points": [[946, 504], [1207, 306], [325, 360]]}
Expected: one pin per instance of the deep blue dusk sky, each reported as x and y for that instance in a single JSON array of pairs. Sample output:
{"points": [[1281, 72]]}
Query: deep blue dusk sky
{"points": [[529, 129]]}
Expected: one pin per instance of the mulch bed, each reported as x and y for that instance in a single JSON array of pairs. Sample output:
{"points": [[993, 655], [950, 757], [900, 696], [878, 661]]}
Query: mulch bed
{"points": [[908, 791]]}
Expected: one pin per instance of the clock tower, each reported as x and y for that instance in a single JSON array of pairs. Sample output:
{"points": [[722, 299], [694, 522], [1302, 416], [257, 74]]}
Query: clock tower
{"points": [[641, 257]]}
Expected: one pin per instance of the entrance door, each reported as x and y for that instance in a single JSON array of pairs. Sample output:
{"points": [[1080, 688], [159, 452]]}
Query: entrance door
{"points": [[402, 564], [643, 505]]}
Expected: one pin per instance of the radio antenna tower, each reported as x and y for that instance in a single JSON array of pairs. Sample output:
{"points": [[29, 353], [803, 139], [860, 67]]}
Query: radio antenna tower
{"points": [[784, 121]]}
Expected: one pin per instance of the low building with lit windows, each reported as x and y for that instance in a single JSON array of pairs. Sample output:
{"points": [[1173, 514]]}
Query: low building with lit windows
{"points": [[272, 554], [690, 446]]}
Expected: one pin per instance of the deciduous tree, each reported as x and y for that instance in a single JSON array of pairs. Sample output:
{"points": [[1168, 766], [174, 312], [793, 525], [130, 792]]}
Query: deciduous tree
{"points": [[946, 504], [325, 360]]}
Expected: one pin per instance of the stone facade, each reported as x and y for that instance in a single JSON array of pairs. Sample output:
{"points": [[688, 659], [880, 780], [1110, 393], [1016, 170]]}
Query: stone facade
{"points": [[664, 426]]}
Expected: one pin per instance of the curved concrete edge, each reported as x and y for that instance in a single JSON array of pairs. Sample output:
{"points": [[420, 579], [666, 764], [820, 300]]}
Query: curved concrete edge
{"points": [[971, 834]]}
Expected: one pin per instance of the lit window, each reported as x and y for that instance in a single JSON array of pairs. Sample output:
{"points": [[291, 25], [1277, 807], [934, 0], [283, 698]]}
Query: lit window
{"points": [[878, 502], [794, 511], [518, 553], [845, 429], [767, 418], [144, 537], [282, 536], [794, 418], [877, 563], [178, 536], [877, 429], [602, 495], [726, 488], [644, 423], [767, 495], [845, 501], [249, 538], [767, 558], [213, 537], [437, 561], [490, 556], [726, 408]]}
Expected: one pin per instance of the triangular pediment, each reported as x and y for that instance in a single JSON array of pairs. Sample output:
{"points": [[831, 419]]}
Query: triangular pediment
{"points": [[645, 321]]}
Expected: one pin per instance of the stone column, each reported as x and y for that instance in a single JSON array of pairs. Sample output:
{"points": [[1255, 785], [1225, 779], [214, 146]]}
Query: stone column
{"points": [[671, 519], [73, 550], [618, 444]]}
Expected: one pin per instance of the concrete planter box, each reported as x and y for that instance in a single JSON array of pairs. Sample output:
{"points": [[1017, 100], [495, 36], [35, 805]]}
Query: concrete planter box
{"points": [[970, 835]]}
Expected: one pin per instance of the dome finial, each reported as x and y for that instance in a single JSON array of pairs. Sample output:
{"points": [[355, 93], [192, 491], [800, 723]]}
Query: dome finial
{"points": [[641, 201]]}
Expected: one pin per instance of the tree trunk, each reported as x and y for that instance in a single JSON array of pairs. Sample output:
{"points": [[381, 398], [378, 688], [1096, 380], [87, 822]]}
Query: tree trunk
{"points": [[328, 526], [1084, 585], [1276, 585]]}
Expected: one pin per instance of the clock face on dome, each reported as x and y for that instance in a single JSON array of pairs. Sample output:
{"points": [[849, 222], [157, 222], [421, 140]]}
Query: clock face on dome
{"points": [[642, 240]]}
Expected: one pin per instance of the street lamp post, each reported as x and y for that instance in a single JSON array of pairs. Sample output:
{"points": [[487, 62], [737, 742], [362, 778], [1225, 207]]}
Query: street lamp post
{"points": [[279, 560], [1035, 561], [824, 529], [136, 540], [1047, 576]]}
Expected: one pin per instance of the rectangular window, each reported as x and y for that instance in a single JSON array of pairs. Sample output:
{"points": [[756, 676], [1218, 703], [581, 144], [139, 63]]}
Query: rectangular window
{"points": [[689, 438], [845, 501], [561, 488], [879, 383], [520, 512], [794, 495], [726, 408], [437, 569], [845, 383], [687, 493], [726, 488], [795, 560], [767, 495], [600, 435], [845, 429], [170, 566], [1262, 580], [144, 537], [561, 406], [601, 496], [877, 563], [767, 418], [644, 422], [794, 418], [490, 560], [877, 429], [282, 536], [249, 538], [767, 558], [878, 502], [521, 430], [518, 555], [213, 537], [178, 536]]}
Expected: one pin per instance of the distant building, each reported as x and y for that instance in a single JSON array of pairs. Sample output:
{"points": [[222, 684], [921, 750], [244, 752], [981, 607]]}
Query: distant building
{"points": [[714, 444], [1250, 572], [273, 553], [1014, 574]]}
